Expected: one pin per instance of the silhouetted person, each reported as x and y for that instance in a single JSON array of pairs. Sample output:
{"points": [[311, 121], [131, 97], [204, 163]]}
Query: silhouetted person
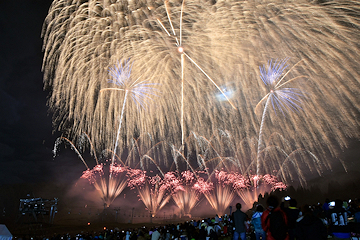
{"points": [[274, 220], [256, 222], [292, 213], [309, 226], [338, 221], [239, 218], [202, 233]]}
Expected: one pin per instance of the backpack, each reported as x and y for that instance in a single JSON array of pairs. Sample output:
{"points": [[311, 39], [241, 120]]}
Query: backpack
{"points": [[278, 227]]}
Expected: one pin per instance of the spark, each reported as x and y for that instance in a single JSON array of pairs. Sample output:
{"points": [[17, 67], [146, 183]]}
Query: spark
{"points": [[139, 91], [281, 98], [228, 41], [109, 181], [153, 191]]}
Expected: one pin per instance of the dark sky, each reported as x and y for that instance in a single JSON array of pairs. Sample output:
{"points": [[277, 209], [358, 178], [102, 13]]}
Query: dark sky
{"points": [[26, 137], [26, 132]]}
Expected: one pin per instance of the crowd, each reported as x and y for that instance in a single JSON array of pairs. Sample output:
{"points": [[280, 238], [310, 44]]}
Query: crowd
{"points": [[284, 221], [277, 220]]}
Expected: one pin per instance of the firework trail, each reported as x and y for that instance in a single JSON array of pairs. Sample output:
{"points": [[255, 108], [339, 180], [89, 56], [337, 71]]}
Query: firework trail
{"points": [[146, 38], [176, 180], [191, 176], [153, 191], [229, 40], [220, 191], [258, 185], [284, 162], [271, 31], [280, 157], [108, 179], [183, 193], [140, 92], [281, 98], [182, 52]]}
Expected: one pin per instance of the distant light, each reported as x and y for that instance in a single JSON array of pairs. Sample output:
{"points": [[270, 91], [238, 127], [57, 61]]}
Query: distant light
{"points": [[104, 228], [88, 224], [226, 92], [180, 49]]}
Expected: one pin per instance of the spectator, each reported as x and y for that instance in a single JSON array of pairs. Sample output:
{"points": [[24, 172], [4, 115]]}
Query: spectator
{"points": [[217, 229], [155, 235], [338, 221], [309, 226], [167, 235], [239, 218], [217, 219], [292, 214], [209, 228], [326, 205], [213, 235], [202, 233], [141, 236], [273, 227], [256, 222], [127, 237]]}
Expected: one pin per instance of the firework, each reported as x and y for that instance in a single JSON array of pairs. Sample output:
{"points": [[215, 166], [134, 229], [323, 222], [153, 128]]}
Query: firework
{"points": [[281, 98], [183, 193], [139, 91], [280, 156], [219, 193], [108, 179], [284, 162], [272, 32], [152, 190], [229, 40], [258, 185], [183, 54]]}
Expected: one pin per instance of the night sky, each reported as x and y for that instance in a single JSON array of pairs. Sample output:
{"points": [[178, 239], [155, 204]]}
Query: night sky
{"points": [[26, 131]]}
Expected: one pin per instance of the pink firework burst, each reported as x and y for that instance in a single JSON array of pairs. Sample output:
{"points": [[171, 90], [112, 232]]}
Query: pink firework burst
{"points": [[259, 185], [153, 191], [109, 180], [222, 193], [184, 194], [203, 186], [136, 178], [173, 183]]}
